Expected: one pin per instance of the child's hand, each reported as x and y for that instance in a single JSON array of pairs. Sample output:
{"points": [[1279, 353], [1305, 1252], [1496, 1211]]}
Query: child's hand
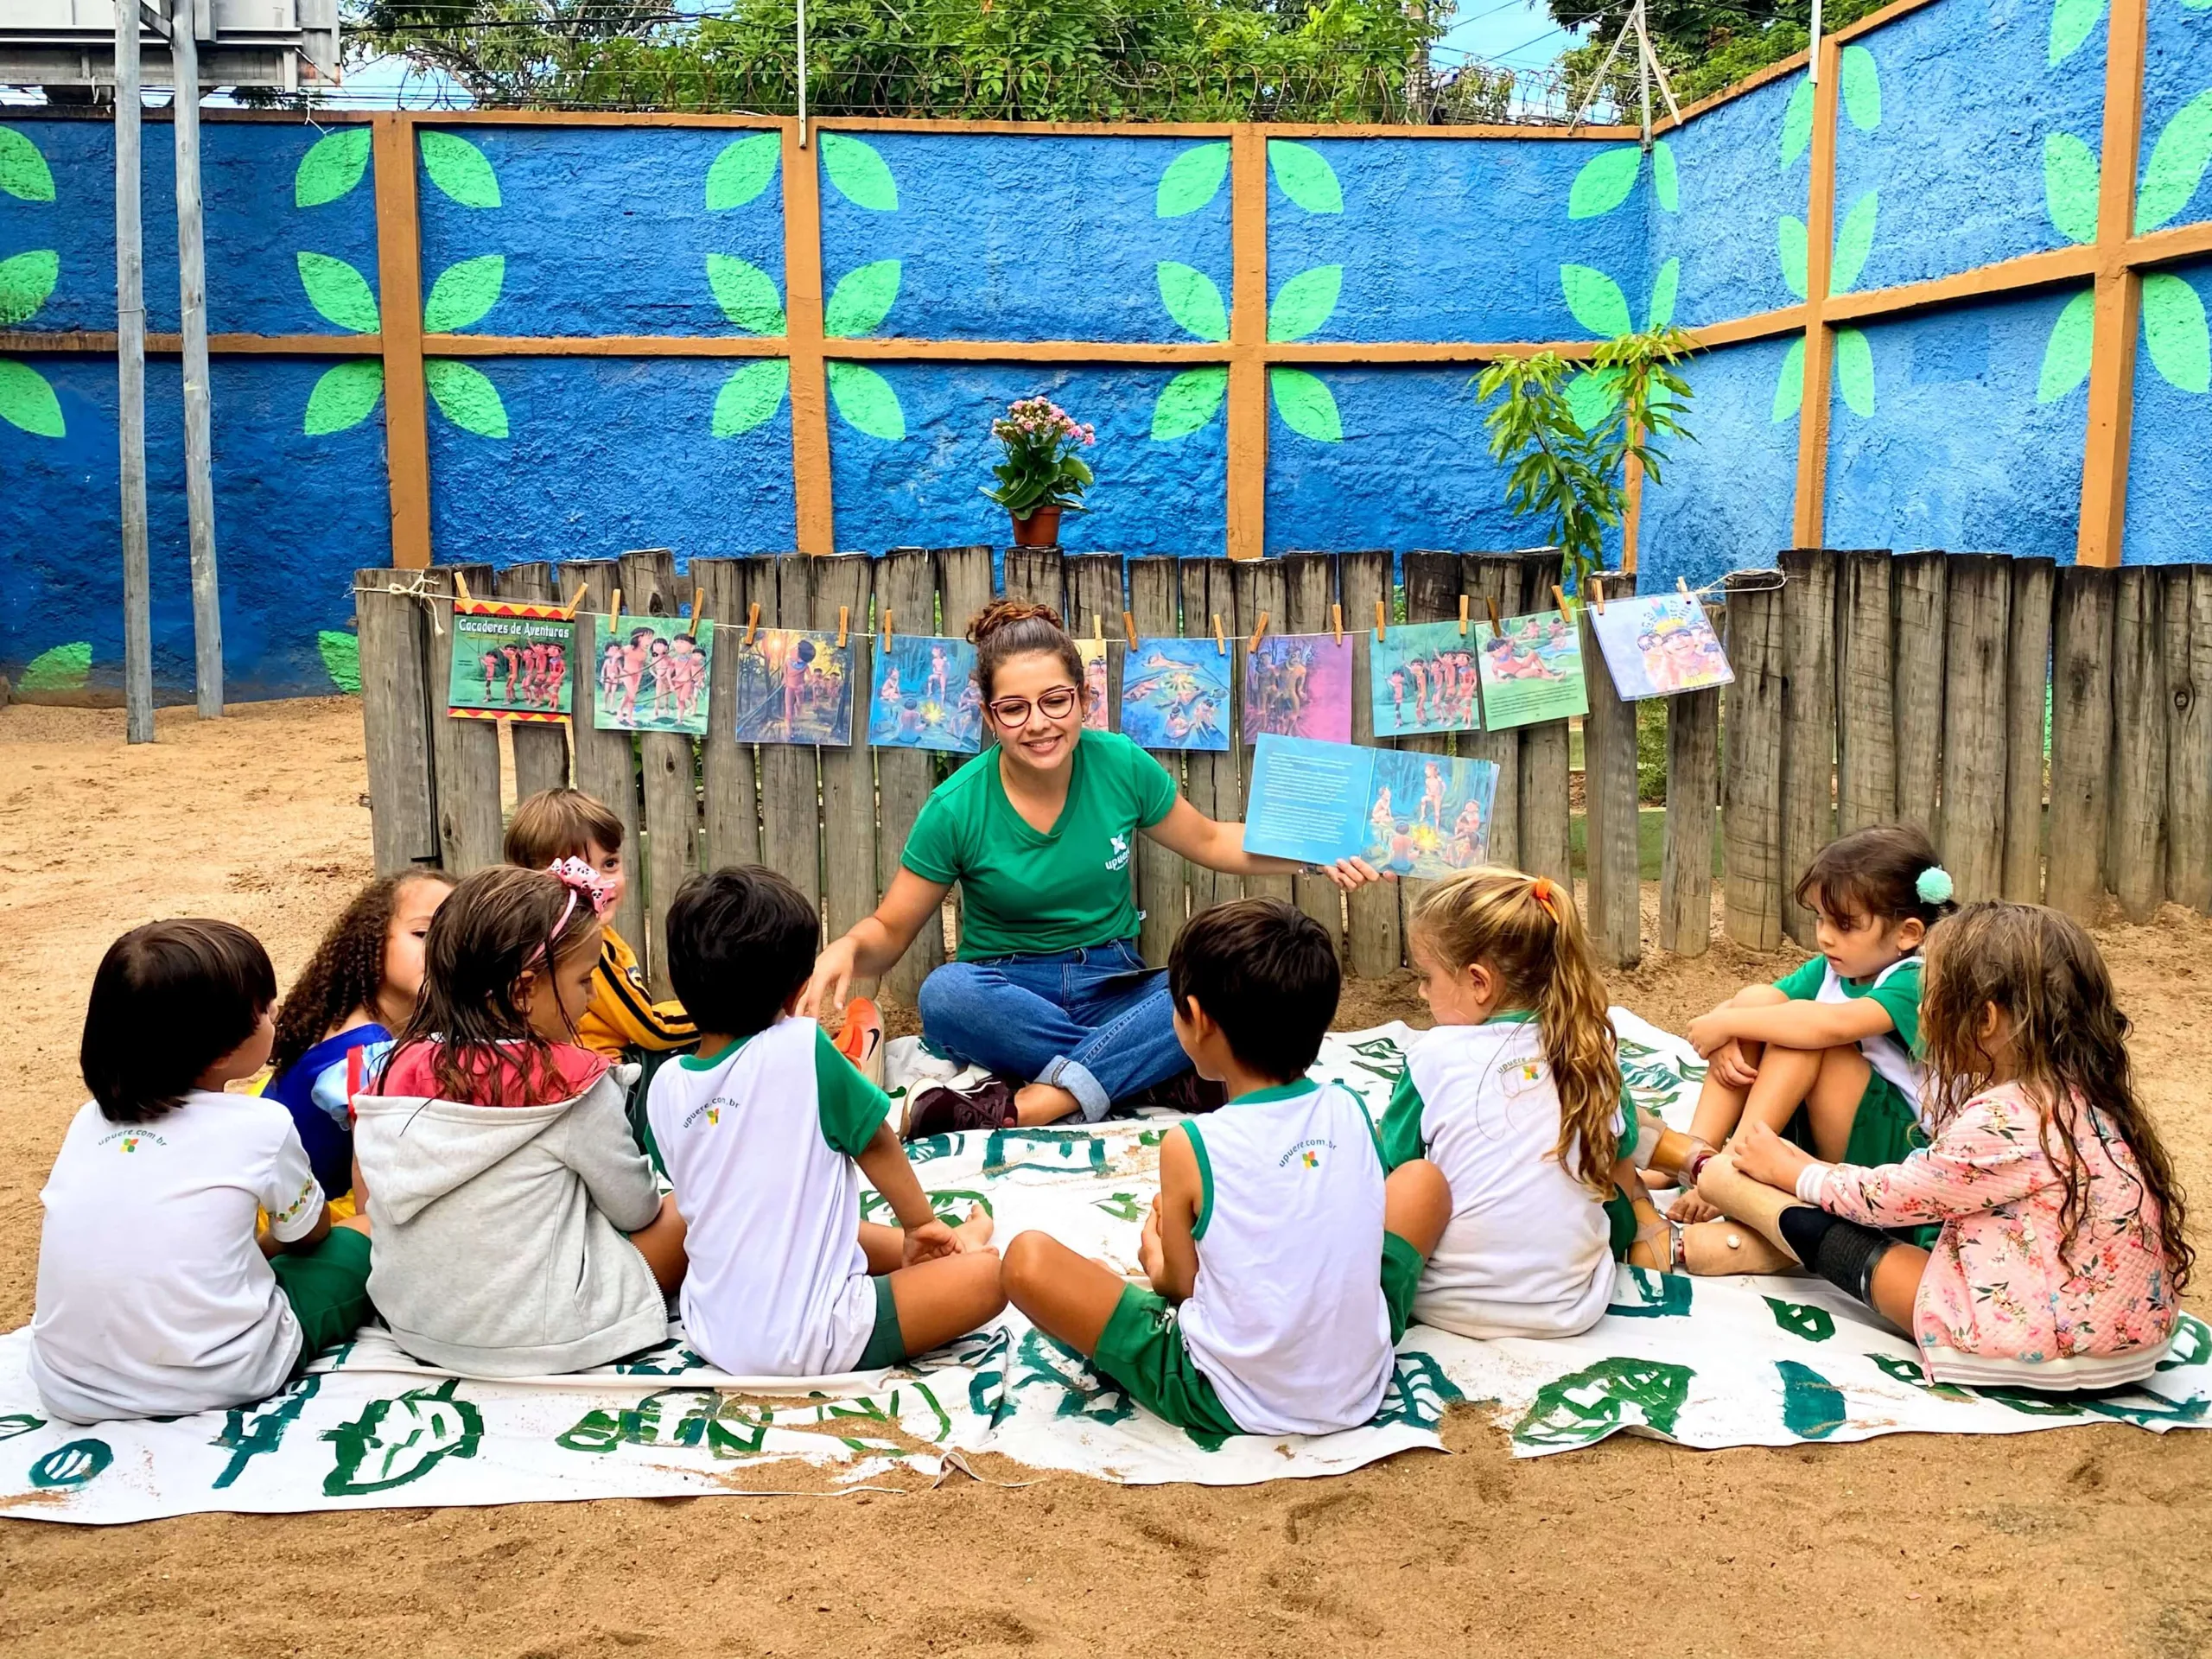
{"points": [[1150, 1256], [931, 1240], [1708, 1031], [1765, 1156], [1729, 1067]]}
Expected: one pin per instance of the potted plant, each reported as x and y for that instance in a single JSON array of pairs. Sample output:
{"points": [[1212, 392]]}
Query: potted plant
{"points": [[1041, 476]]}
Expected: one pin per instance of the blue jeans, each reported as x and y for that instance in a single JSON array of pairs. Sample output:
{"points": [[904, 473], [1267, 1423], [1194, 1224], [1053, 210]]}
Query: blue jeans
{"points": [[1095, 1022]]}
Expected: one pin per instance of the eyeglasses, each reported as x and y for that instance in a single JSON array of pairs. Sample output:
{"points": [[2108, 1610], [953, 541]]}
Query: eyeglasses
{"points": [[1055, 704]]}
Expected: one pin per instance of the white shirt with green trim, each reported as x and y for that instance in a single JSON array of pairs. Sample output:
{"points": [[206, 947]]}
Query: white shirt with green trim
{"points": [[153, 1298], [1527, 1251], [1888, 1052], [758, 1143], [1287, 1319]]}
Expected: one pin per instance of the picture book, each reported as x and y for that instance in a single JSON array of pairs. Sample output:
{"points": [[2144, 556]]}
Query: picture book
{"points": [[1175, 695], [1299, 685], [925, 695], [1405, 813], [1532, 670], [1659, 644], [1422, 678], [511, 660], [651, 675], [793, 687]]}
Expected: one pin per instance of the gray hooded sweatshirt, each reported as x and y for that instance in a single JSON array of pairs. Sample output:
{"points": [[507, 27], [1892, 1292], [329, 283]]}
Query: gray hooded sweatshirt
{"points": [[499, 1246]]}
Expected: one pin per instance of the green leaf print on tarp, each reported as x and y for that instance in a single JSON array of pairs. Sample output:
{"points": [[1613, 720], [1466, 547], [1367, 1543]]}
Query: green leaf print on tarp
{"points": [[1664, 287], [750, 397], [1854, 240], [1657, 1296], [341, 659], [1789, 385], [2066, 357], [1854, 371], [466, 397], [62, 668], [1192, 180], [344, 397], [334, 164], [27, 400], [341, 293], [2173, 327], [463, 293], [2072, 22], [249, 1431], [23, 172], [1797, 122], [67, 1467], [1603, 182], [396, 1442], [458, 169], [1589, 1404], [743, 170], [1192, 299], [2070, 186], [25, 283], [1596, 299], [2176, 164], [1862, 88], [1305, 175], [1806, 1319], [1306, 405], [1188, 401], [1665, 183], [859, 175], [861, 300], [866, 402], [1304, 302], [1789, 248], [1812, 1407], [747, 294]]}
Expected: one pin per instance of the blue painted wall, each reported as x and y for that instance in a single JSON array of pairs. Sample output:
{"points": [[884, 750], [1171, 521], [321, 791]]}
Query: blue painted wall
{"points": [[1734, 189], [1723, 503], [2170, 459]]}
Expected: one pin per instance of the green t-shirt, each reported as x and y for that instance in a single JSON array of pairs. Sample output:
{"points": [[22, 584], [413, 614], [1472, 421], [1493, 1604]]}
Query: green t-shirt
{"points": [[1024, 893], [1898, 995]]}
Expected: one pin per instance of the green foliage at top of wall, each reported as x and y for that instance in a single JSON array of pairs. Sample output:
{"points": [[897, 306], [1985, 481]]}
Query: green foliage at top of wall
{"points": [[743, 170], [458, 169], [1192, 180], [331, 168], [23, 172]]}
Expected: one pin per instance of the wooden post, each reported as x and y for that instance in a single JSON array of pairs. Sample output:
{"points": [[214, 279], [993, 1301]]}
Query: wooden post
{"points": [[803, 341], [1432, 596], [1375, 946], [728, 771], [191, 293], [395, 637], [1248, 333], [1489, 579], [2117, 303], [606, 762], [2081, 740], [1692, 795], [1916, 605], [1751, 807], [1977, 625], [905, 585], [1545, 814], [1260, 586], [2027, 685], [542, 752], [668, 823], [1163, 879], [1610, 814], [1210, 779], [2137, 849], [790, 774], [1310, 579], [1817, 399], [2187, 632], [843, 587], [963, 582], [1809, 724], [1034, 574], [1866, 738], [399, 299], [130, 387]]}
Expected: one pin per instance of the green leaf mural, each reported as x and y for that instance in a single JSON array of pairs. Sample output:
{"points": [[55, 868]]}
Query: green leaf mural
{"points": [[332, 167], [1591, 396], [344, 397], [2066, 357], [751, 397], [28, 401], [1304, 302], [458, 169], [1854, 371], [1862, 88], [23, 172], [2072, 22], [1305, 175], [1305, 406], [2173, 327], [2070, 186], [747, 294], [1797, 122], [1663, 288], [1603, 182], [1192, 299], [1789, 385], [466, 397], [743, 170], [339, 292], [1854, 240], [1188, 401], [1192, 180], [25, 282], [1596, 299], [64, 667], [866, 401], [2176, 164], [861, 175], [341, 659], [861, 300], [1665, 183], [1790, 246], [463, 293]]}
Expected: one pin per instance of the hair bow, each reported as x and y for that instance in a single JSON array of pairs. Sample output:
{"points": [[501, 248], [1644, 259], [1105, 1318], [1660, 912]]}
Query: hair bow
{"points": [[581, 881]]}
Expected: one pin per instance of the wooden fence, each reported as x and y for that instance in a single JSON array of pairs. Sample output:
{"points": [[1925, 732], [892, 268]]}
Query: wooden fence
{"points": [[1868, 688]]}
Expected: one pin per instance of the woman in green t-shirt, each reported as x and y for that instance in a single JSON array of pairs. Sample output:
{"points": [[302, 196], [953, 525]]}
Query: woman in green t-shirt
{"points": [[1049, 995]]}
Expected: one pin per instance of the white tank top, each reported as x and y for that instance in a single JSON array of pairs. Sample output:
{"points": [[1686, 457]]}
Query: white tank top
{"points": [[1884, 1051], [1287, 1319]]}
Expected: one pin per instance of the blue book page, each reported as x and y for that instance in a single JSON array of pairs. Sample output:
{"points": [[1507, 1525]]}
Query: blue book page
{"points": [[1310, 799]]}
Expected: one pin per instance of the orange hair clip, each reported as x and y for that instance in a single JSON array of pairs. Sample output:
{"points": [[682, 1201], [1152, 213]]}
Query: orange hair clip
{"points": [[1547, 895]]}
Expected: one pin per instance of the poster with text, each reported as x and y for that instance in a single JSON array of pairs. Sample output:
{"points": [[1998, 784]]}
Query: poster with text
{"points": [[1299, 685], [793, 687], [1405, 813], [1532, 670], [1175, 695], [511, 661], [925, 695], [652, 676], [1422, 679], [1660, 644], [1093, 652]]}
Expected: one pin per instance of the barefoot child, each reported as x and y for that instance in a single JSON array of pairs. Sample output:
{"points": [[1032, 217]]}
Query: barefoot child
{"points": [[765, 1131], [1281, 1262], [2062, 1256], [1516, 1095], [155, 1297], [501, 1174], [356, 990]]}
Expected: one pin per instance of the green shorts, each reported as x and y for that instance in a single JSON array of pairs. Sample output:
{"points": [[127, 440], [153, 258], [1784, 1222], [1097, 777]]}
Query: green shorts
{"points": [[1620, 1225], [1141, 1349], [1884, 1130], [327, 1288], [886, 1344], [1401, 1266]]}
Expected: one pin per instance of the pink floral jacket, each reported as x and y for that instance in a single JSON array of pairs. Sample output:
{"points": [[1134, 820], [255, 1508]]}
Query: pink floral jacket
{"points": [[1996, 1305]]}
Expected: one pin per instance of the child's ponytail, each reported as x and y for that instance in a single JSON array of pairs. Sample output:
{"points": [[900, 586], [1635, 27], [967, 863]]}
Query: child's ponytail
{"points": [[1527, 932]]}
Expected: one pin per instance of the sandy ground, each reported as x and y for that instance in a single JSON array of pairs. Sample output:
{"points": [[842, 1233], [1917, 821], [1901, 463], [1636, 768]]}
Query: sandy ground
{"points": [[2080, 1540]]}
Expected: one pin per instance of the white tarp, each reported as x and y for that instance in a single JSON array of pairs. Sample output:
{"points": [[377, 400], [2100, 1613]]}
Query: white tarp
{"points": [[1706, 1362]]}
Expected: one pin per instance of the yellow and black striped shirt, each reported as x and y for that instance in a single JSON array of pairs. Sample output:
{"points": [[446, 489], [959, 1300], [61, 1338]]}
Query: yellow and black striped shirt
{"points": [[623, 1014]]}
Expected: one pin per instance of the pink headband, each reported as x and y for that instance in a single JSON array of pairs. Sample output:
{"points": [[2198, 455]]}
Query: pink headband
{"points": [[581, 881]]}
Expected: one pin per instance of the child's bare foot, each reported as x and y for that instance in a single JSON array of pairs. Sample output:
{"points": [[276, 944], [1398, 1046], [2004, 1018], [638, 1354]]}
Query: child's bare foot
{"points": [[975, 1232], [1714, 1248], [1690, 1208]]}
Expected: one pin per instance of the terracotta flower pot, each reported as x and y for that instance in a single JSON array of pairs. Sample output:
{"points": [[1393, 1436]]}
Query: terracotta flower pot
{"points": [[1040, 529]]}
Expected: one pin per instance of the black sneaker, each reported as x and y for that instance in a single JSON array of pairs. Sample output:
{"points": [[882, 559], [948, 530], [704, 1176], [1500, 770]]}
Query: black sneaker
{"points": [[1187, 1091], [946, 1111]]}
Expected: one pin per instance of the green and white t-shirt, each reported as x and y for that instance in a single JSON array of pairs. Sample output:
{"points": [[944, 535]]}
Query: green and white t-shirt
{"points": [[1896, 990], [758, 1143], [1030, 893]]}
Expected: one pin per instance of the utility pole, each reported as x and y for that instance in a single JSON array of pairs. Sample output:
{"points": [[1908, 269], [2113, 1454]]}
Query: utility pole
{"points": [[192, 275], [130, 385]]}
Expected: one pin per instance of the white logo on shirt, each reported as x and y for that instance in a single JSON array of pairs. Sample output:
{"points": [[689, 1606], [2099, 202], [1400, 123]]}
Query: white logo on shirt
{"points": [[1121, 859]]}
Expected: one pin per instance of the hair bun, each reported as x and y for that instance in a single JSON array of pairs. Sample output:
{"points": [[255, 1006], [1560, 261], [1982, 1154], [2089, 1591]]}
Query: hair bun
{"points": [[1002, 614]]}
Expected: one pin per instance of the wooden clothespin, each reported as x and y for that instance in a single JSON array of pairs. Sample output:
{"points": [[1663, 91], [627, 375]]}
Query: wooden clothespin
{"points": [[1220, 640], [460, 586], [1129, 627], [1559, 598], [1463, 616], [698, 608], [1683, 584], [844, 611], [1380, 616], [752, 620], [886, 628], [1496, 628], [1336, 622], [1256, 632], [614, 614], [574, 602], [1598, 593], [1098, 629]]}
